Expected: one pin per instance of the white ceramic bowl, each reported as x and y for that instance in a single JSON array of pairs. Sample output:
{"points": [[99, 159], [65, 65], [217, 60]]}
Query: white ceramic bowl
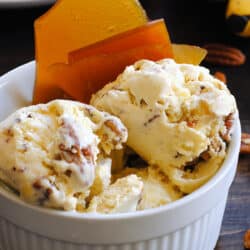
{"points": [[191, 223]]}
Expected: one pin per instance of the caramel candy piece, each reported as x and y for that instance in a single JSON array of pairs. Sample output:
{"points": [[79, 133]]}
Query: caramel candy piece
{"points": [[70, 25]]}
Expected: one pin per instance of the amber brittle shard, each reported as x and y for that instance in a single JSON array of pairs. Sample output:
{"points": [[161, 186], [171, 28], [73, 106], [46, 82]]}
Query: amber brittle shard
{"points": [[91, 67], [70, 25]]}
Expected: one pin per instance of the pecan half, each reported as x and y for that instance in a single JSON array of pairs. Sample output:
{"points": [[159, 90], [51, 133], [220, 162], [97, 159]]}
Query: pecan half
{"points": [[221, 54], [245, 143]]}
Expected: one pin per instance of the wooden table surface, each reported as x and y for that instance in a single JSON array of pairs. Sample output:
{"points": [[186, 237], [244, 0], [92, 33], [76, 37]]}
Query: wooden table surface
{"points": [[194, 22]]}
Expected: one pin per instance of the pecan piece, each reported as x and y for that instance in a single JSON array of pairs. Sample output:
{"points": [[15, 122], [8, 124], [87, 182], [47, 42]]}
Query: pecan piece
{"points": [[247, 239], [205, 155], [87, 152], [221, 54], [37, 185], [245, 143], [221, 76], [192, 123], [151, 119], [113, 126], [229, 120], [68, 173]]}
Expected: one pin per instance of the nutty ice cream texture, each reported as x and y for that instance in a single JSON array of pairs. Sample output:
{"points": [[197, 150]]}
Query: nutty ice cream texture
{"points": [[49, 152], [175, 118], [179, 118]]}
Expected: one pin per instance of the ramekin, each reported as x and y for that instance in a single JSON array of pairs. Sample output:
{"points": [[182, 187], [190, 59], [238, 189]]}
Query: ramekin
{"points": [[191, 223]]}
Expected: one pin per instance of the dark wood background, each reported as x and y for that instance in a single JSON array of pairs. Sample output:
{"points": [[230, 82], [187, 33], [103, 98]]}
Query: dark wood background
{"points": [[188, 21]]}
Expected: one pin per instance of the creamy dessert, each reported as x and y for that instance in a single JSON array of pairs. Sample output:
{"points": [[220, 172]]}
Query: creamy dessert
{"points": [[173, 120], [121, 196], [157, 188], [178, 116], [56, 154]]}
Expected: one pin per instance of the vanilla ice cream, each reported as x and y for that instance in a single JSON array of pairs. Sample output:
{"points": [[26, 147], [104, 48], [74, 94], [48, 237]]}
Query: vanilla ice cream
{"points": [[157, 188], [51, 154], [102, 177], [68, 155], [178, 117], [121, 196]]}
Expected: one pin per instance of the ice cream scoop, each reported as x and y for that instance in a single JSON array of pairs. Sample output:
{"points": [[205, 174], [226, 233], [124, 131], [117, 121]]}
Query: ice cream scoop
{"points": [[179, 117], [49, 152]]}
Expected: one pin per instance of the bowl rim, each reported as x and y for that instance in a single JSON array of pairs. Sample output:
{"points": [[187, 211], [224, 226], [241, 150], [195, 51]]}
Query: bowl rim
{"points": [[73, 215]]}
